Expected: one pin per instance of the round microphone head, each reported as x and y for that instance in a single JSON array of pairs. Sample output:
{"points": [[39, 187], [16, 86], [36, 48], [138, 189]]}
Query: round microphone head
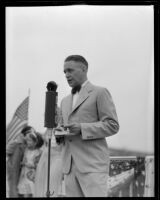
{"points": [[51, 86]]}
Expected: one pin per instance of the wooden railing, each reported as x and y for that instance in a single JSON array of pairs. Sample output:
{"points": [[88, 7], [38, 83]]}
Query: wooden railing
{"points": [[131, 176]]}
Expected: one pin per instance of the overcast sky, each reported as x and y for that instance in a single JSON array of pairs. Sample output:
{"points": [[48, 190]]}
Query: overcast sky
{"points": [[117, 42]]}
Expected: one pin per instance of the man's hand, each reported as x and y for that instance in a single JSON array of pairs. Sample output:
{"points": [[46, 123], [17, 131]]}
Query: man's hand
{"points": [[59, 128], [74, 128], [59, 138]]}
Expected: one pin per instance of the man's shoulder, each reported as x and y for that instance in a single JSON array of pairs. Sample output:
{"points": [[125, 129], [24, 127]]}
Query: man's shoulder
{"points": [[99, 88], [101, 91]]}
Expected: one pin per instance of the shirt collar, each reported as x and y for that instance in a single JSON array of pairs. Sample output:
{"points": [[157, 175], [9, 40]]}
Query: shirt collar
{"points": [[84, 83]]}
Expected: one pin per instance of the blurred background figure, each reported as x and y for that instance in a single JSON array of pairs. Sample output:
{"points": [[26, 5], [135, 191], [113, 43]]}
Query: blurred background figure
{"points": [[29, 163], [14, 156]]}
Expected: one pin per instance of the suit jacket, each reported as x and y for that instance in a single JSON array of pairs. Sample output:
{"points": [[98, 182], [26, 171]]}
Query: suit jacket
{"points": [[96, 112]]}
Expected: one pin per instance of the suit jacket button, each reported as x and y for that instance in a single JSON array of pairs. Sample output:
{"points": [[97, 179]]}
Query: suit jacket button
{"points": [[70, 140]]}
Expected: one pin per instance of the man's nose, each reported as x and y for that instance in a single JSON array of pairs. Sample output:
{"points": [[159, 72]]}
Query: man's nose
{"points": [[67, 75]]}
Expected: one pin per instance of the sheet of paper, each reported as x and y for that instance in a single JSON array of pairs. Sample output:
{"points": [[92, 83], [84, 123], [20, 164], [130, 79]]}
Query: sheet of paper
{"points": [[61, 132]]}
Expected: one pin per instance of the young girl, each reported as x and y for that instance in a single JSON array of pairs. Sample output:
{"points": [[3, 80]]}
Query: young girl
{"points": [[29, 164]]}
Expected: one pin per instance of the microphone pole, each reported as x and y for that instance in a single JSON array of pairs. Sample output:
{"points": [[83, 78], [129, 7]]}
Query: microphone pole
{"points": [[50, 121]]}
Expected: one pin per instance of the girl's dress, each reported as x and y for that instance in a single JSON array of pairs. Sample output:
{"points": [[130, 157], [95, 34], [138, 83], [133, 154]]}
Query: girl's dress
{"points": [[27, 175], [55, 171]]}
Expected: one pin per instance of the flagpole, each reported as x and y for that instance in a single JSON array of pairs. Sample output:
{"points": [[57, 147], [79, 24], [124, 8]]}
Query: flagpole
{"points": [[29, 92]]}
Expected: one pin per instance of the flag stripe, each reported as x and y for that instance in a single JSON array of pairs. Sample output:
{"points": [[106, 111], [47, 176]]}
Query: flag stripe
{"points": [[17, 131], [22, 110], [19, 120], [11, 124], [17, 125], [14, 124]]}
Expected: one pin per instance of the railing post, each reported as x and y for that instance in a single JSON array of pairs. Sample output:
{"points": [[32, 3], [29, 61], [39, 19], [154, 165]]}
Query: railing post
{"points": [[131, 189]]}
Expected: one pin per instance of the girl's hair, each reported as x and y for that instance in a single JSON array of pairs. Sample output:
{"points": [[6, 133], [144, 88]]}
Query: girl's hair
{"points": [[26, 129], [40, 140], [37, 138]]}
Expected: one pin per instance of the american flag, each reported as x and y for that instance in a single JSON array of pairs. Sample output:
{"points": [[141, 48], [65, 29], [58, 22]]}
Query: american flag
{"points": [[18, 122]]}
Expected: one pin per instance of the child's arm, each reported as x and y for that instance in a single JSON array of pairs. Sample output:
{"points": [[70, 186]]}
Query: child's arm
{"points": [[37, 158]]}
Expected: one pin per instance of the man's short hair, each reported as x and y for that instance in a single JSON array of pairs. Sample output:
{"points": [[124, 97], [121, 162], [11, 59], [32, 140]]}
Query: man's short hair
{"points": [[77, 58], [26, 129]]}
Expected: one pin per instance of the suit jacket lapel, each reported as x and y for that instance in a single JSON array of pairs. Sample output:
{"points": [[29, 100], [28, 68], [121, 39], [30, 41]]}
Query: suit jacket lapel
{"points": [[83, 95]]}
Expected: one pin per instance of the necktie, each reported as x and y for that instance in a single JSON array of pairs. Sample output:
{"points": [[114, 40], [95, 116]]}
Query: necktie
{"points": [[76, 89]]}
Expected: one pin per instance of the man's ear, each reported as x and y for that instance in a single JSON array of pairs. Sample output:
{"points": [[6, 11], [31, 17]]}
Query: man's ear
{"points": [[84, 68]]}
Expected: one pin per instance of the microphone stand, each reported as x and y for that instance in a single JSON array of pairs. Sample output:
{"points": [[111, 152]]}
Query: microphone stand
{"points": [[50, 122], [49, 133]]}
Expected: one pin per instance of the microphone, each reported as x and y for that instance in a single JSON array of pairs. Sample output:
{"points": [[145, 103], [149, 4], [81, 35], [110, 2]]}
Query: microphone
{"points": [[51, 105]]}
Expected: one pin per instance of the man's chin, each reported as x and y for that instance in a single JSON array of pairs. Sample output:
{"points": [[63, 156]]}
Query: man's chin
{"points": [[71, 85]]}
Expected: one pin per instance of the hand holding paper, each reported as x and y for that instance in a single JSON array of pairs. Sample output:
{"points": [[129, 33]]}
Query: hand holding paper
{"points": [[68, 130], [59, 131], [74, 128]]}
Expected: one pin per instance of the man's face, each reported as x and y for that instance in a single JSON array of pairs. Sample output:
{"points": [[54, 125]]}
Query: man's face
{"points": [[74, 72]]}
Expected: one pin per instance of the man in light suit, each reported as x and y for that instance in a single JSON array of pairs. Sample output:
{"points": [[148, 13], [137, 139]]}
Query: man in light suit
{"points": [[90, 116]]}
